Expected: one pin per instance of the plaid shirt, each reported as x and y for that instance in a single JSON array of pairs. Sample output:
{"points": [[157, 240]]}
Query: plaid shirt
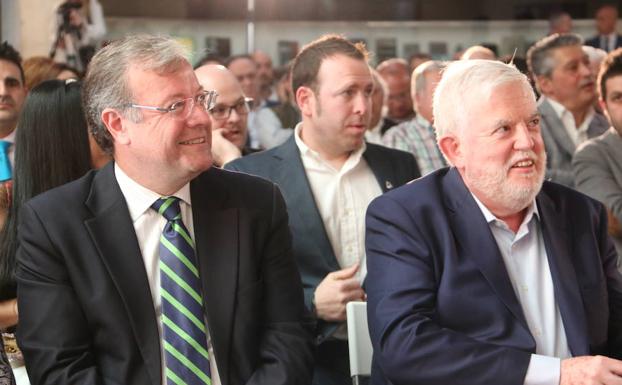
{"points": [[417, 137]]}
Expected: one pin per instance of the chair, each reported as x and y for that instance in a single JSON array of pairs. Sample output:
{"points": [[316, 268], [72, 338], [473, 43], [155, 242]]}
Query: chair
{"points": [[359, 343]]}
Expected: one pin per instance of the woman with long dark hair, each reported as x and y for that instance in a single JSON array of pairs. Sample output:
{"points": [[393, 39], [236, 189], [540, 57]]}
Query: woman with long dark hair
{"points": [[51, 149]]}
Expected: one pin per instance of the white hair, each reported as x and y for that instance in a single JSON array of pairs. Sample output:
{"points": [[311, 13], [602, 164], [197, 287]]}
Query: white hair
{"points": [[464, 82]]}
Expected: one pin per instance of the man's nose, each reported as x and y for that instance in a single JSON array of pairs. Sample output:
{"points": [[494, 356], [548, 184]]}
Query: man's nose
{"points": [[523, 138], [362, 103]]}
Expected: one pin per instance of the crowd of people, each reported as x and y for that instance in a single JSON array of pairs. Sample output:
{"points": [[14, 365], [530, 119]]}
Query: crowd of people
{"points": [[164, 223]]}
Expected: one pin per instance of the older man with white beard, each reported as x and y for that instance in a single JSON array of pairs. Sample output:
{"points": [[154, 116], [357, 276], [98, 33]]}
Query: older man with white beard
{"points": [[481, 273]]}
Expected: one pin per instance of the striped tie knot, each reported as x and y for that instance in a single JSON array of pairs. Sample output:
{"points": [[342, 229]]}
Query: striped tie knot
{"points": [[168, 207]]}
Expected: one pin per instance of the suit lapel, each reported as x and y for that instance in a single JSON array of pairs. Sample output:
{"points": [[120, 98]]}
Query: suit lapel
{"points": [[382, 170], [468, 221], [555, 125], [113, 234], [300, 200], [559, 252], [216, 235], [598, 125]]}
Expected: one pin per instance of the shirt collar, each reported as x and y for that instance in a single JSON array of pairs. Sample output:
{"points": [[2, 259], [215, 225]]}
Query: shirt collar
{"points": [[422, 121], [10, 138], [560, 110], [305, 151], [139, 198], [532, 210]]}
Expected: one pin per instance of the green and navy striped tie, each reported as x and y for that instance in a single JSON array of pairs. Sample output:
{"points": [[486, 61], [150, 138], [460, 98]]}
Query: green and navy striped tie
{"points": [[183, 330]]}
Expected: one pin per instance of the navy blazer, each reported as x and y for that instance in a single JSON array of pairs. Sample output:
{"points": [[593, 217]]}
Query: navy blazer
{"points": [[312, 249], [441, 307], [595, 42]]}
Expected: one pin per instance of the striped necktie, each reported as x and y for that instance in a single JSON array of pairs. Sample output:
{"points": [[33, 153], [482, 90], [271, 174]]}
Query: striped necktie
{"points": [[183, 330]]}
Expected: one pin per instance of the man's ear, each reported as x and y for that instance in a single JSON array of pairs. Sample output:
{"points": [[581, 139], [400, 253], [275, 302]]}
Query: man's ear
{"points": [[451, 148], [305, 98], [115, 123], [544, 84]]}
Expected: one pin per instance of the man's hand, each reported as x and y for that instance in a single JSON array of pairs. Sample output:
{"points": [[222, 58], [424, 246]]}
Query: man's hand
{"points": [[223, 151], [591, 370], [335, 291]]}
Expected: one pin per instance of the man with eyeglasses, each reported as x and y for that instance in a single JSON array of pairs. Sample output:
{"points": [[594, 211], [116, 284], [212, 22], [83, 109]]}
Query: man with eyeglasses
{"points": [[158, 269], [229, 114]]}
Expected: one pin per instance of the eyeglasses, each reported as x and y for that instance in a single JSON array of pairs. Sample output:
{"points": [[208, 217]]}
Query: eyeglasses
{"points": [[182, 109], [222, 111]]}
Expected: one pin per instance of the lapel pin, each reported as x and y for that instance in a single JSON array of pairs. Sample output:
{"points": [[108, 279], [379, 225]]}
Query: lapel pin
{"points": [[388, 184]]}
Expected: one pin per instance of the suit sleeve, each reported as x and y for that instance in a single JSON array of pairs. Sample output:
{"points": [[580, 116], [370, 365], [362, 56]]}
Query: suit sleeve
{"points": [[285, 351], [47, 301], [410, 344], [594, 177], [613, 280]]}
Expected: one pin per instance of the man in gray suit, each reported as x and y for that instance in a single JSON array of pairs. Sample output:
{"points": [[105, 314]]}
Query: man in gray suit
{"points": [[328, 175], [597, 163], [563, 77]]}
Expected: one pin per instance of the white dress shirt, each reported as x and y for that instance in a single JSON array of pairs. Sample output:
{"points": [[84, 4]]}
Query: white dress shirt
{"points": [[342, 197], [149, 225], [374, 135], [608, 42], [270, 132], [577, 134], [526, 262]]}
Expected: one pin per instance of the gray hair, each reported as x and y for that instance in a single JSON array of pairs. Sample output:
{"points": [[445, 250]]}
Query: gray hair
{"points": [[418, 81], [106, 82], [469, 80], [540, 56]]}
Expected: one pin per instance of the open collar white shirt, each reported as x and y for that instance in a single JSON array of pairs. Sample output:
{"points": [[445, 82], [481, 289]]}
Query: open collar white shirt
{"points": [[342, 197], [577, 134], [148, 225], [525, 258]]}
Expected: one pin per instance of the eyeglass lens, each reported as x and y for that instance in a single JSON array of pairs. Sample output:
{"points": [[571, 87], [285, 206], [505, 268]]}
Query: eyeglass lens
{"points": [[222, 111]]}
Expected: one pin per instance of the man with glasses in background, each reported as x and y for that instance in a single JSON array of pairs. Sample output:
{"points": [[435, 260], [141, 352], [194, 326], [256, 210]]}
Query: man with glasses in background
{"points": [[229, 115], [158, 269]]}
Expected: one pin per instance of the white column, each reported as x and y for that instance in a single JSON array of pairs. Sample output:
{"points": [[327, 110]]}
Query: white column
{"points": [[28, 25]]}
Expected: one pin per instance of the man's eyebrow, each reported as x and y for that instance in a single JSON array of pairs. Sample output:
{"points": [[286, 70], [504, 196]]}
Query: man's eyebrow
{"points": [[501, 122], [12, 78], [178, 96]]}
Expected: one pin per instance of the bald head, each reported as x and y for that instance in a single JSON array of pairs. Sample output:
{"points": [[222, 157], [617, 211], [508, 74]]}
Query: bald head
{"points": [[230, 100], [219, 78], [478, 52]]}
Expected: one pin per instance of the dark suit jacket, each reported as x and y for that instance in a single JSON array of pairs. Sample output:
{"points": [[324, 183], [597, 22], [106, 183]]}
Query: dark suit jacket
{"points": [[312, 249], [86, 313], [595, 42], [386, 124], [560, 148], [441, 307]]}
